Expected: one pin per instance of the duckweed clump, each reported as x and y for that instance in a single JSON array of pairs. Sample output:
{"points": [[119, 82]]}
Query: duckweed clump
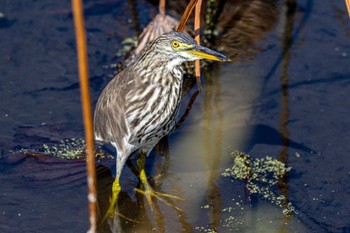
{"points": [[261, 176], [67, 149], [73, 148], [234, 222], [206, 230]]}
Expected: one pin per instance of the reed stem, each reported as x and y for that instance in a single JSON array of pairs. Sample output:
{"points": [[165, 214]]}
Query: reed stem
{"points": [[86, 108]]}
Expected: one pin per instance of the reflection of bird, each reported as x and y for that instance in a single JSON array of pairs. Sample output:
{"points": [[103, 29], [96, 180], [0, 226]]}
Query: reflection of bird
{"points": [[139, 106]]}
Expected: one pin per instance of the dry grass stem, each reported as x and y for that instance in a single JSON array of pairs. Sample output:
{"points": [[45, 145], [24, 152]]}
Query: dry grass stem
{"points": [[197, 26], [186, 15], [162, 7], [87, 113], [347, 3]]}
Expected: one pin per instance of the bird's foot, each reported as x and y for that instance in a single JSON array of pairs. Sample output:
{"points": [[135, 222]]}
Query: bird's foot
{"points": [[149, 193], [112, 210]]}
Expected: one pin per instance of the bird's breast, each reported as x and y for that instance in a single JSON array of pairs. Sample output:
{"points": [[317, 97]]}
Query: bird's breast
{"points": [[155, 115]]}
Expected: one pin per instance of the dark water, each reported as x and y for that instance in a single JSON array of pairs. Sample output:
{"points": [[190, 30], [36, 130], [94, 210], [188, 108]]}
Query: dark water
{"points": [[284, 96]]}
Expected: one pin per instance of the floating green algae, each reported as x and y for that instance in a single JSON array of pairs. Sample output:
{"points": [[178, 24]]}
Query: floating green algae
{"points": [[72, 148], [261, 175], [67, 148]]}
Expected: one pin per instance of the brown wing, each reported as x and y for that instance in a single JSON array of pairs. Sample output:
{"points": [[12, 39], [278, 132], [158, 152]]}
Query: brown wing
{"points": [[109, 118]]}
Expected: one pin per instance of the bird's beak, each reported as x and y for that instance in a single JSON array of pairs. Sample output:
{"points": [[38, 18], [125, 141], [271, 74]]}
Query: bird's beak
{"points": [[200, 52]]}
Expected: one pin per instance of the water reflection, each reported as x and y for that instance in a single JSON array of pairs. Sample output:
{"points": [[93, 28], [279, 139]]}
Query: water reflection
{"points": [[213, 142], [287, 42], [241, 24]]}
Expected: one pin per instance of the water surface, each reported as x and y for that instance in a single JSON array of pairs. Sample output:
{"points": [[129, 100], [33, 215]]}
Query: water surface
{"points": [[284, 96]]}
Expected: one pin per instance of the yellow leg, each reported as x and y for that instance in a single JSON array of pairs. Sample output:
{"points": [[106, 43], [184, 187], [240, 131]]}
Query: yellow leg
{"points": [[112, 210], [148, 190], [113, 201]]}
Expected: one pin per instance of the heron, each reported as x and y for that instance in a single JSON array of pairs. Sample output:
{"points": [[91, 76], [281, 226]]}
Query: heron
{"points": [[140, 104]]}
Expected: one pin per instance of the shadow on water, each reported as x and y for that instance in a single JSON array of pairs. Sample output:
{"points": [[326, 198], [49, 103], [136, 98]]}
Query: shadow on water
{"points": [[249, 105]]}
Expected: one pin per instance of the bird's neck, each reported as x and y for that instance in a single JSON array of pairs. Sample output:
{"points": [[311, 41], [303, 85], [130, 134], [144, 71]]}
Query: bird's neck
{"points": [[159, 71]]}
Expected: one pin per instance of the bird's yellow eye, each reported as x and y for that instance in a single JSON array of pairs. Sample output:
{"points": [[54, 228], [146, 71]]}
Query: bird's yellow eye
{"points": [[175, 44]]}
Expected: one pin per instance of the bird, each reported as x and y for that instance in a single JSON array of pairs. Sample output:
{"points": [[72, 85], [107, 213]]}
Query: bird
{"points": [[140, 104]]}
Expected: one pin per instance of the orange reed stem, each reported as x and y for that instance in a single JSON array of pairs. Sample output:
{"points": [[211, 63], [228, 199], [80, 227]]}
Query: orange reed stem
{"points": [[86, 107], [347, 3], [186, 15], [162, 7], [197, 31]]}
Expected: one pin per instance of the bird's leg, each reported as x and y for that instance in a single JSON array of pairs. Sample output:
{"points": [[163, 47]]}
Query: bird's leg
{"points": [[116, 188], [111, 211], [148, 190], [143, 178]]}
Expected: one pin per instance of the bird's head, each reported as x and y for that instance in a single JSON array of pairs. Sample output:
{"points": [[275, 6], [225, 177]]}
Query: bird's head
{"points": [[177, 47]]}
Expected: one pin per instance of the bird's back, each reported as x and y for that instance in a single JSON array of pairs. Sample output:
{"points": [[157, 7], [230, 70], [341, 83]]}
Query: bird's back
{"points": [[109, 116]]}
